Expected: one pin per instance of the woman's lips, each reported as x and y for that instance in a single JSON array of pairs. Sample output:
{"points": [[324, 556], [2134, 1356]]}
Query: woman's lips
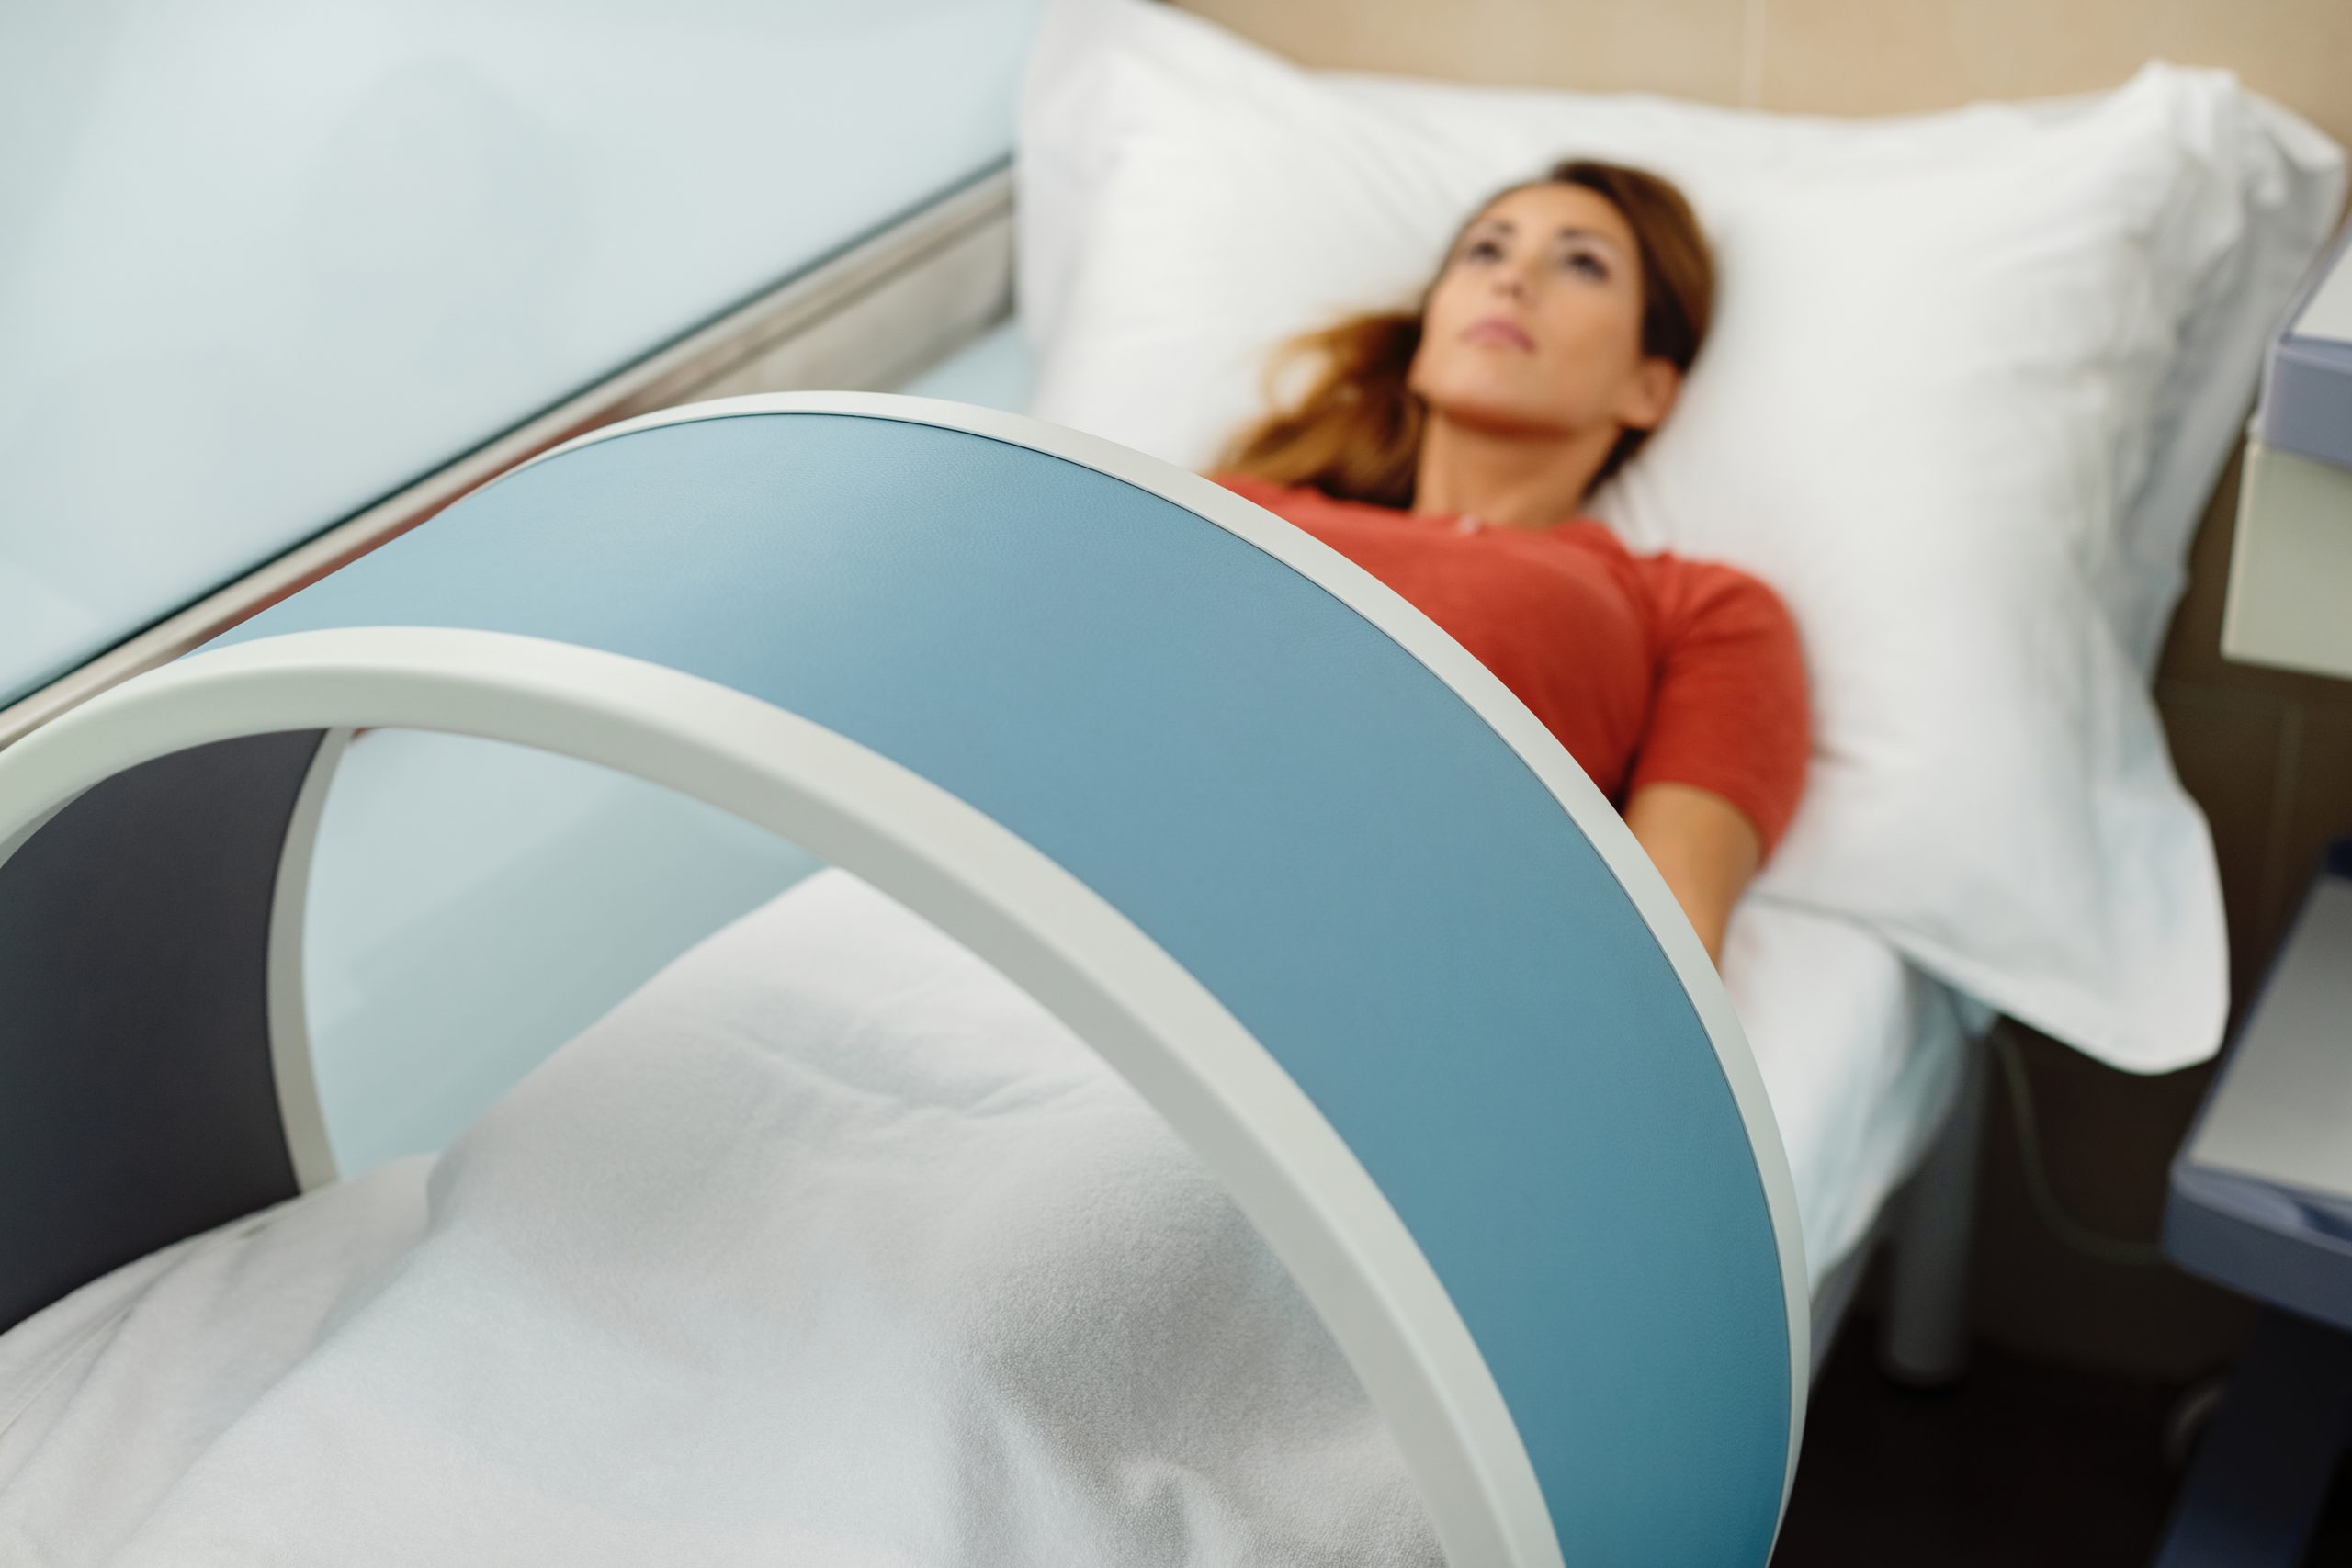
{"points": [[1498, 329]]}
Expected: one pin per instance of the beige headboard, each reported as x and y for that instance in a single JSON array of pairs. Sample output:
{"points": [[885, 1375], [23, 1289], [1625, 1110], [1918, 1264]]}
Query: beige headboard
{"points": [[1823, 56]]}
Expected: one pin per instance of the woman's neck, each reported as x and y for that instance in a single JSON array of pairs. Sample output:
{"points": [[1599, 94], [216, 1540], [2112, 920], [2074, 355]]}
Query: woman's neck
{"points": [[1518, 478]]}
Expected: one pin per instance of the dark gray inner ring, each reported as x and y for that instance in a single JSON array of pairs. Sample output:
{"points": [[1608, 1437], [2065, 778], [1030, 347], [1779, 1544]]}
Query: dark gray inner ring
{"points": [[138, 1104]]}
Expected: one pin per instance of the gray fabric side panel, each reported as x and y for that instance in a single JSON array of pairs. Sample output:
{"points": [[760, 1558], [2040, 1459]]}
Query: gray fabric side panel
{"points": [[136, 1101]]}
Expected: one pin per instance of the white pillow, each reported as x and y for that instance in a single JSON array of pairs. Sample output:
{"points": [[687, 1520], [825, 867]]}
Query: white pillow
{"points": [[1945, 351]]}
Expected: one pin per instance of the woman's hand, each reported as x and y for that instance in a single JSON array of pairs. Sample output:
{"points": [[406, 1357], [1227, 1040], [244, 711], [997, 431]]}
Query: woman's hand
{"points": [[1704, 848]]}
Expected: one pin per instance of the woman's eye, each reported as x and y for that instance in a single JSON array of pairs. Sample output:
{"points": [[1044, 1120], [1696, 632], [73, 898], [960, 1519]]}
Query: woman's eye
{"points": [[1482, 250], [1589, 265]]}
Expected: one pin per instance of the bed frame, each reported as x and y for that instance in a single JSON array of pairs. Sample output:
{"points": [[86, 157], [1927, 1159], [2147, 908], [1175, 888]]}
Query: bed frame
{"points": [[1926, 1228]]}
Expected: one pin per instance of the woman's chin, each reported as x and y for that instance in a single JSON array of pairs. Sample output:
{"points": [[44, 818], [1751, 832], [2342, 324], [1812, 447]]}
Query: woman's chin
{"points": [[1496, 411]]}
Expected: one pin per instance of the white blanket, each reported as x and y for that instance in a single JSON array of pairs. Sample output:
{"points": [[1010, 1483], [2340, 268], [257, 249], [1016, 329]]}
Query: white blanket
{"points": [[828, 1247]]}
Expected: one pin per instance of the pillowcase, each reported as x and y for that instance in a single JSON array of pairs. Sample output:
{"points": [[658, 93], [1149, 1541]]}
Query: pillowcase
{"points": [[1939, 411]]}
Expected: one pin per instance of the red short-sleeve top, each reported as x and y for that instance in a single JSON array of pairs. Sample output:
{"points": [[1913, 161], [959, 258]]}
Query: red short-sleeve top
{"points": [[1649, 668]]}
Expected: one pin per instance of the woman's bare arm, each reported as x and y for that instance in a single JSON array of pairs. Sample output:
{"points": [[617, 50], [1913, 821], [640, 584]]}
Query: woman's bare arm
{"points": [[1703, 846]]}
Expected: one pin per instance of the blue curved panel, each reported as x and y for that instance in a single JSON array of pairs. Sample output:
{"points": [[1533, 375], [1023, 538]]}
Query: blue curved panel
{"points": [[1287, 801]]}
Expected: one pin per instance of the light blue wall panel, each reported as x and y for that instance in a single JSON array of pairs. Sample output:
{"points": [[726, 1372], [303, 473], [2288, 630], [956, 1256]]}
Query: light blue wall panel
{"points": [[264, 261]]}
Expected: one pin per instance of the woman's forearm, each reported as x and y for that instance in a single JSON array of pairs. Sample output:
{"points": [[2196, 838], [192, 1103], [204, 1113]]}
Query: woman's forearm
{"points": [[1704, 848]]}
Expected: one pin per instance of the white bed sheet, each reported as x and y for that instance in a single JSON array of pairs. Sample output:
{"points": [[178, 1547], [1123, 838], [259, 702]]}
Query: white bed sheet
{"points": [[826, 1246], [1861, 1054]]}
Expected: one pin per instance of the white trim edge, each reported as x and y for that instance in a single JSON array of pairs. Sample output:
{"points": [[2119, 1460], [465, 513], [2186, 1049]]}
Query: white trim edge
{"points": [[300, 1111]]}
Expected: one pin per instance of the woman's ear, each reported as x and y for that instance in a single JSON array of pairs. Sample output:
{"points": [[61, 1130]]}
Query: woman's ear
{"points": [[1649, 394]]}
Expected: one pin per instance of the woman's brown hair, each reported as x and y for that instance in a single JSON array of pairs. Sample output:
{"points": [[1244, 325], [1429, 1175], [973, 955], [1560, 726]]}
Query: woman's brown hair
{"points": [[1356, 432]]}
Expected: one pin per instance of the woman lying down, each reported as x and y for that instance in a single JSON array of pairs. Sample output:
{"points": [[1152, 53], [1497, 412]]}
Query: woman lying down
{"points": [[1449, 449], [830, 1247]]}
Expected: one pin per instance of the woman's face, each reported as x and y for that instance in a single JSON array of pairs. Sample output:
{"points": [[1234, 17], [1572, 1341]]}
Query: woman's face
{"points": [[1535, 323]]}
